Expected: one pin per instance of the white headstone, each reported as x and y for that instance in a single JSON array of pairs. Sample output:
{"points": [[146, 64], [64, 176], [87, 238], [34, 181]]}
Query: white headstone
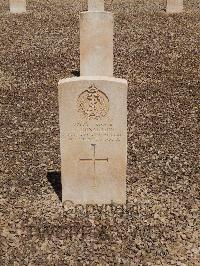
{"points": [[93, 139], [17, 6], [96, 44], [96, 5], [93, 121], [96, 41], [174, 6]]}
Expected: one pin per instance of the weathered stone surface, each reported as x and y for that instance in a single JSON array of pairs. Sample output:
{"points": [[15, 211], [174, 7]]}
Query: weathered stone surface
{"points": [[96, 44], [96, 5], [17, 6], [174, 6], [93, 132]]}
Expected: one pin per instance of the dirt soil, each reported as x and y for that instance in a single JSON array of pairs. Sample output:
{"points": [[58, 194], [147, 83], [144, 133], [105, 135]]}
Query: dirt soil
{"points": [[158, 55]]}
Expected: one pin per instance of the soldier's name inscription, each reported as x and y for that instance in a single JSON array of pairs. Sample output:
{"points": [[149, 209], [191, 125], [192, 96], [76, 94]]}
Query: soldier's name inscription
{"points": [[96, 132]]}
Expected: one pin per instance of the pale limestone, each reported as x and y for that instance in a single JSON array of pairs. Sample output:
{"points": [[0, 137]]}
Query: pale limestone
{"points": [[174, 6], [96, 44], [96, 5], [17, 6], [93, 119], [93, 140]]}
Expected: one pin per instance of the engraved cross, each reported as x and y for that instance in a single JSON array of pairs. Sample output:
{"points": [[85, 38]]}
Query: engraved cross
{"points": [[94, 160]]}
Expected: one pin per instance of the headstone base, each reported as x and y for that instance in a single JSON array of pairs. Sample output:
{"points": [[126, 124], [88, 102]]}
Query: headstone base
{"points": [[93, 140]]}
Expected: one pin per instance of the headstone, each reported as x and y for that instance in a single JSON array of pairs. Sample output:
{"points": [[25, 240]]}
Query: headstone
{"points": [[96, 5], [93, 126], [17, 6], [96, 42], [174, 6]]}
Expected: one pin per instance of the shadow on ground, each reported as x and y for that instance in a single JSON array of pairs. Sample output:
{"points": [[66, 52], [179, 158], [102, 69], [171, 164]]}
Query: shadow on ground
{"points": [[76, 73], [54, 179]]}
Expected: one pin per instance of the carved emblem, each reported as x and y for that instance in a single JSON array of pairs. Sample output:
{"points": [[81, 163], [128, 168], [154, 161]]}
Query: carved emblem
{"points": [[93, 103]]}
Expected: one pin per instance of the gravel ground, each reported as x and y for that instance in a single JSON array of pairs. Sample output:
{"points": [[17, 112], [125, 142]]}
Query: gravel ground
{"points": [[157, 53]]}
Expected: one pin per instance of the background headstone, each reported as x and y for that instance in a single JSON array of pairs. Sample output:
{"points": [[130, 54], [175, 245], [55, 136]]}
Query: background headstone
{"points": [[17, 6], [96, 44], [96, 5], [174, 6]]}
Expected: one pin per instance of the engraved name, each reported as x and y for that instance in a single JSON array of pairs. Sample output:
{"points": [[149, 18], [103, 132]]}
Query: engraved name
{"points": [[97, 132]]}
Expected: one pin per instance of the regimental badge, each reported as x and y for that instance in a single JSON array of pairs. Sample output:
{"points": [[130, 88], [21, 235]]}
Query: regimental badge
{"points": [[93, 104]]}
